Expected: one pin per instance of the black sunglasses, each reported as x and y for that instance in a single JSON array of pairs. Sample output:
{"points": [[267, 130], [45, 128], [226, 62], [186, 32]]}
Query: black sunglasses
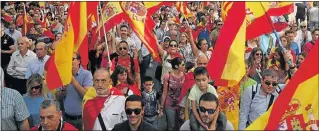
{"points": [[209, 111], [122, 48], [268, 83], [74, 59], [136, 111], [219, 24], [258, 54], [36, 87], [173, 45]]}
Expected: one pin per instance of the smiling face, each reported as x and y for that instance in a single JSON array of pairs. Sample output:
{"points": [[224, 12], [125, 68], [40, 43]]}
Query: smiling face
{"points": [[172, 46], [123, 48], [269, 84], [134, 112]]}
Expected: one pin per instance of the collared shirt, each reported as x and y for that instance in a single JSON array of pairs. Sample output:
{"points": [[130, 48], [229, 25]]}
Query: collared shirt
{"points": [[265, 41], [139, 45], [15, 36], [73, 100], [36, 66], [112, 113], [160, 33], [299, 40], [18, 64], [186, 126], [13, 109], [250, 109]]}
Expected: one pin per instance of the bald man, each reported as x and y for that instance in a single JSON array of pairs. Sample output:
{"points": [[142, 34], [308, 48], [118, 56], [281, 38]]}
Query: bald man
{"points": [[201, 61], [37, 65], [18, 65]]}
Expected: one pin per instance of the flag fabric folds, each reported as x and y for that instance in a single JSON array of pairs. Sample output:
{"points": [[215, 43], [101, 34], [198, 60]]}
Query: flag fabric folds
{"points": [[59, 65], [182, 8], [296, 108], [228, 56], [139, 16]]}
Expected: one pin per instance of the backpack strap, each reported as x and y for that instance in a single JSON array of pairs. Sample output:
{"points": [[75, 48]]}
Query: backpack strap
{"points": [[132, 65], [116, 60], [101, 122], [270, 101], [254, 91]]}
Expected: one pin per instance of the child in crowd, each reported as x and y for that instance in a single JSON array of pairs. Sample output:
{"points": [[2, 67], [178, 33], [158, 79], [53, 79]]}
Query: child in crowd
{"points": [[150, 100], [201, 87]]}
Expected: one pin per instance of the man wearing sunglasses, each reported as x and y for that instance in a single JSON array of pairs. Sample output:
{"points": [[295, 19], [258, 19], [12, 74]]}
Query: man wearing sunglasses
{"points": [[303, 36], [257, 99], [134, 109], [209, 114]]}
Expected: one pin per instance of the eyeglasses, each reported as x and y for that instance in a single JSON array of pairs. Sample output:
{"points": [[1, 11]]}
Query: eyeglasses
{"points": [[219, 24], [36, 87], [136, 111], [209, 111], [173, 45], [122, 48], [74, 59], [303, 26], [258, 54], [268, 83]]}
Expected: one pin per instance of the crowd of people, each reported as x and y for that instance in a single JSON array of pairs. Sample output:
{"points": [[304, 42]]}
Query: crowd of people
{"points": [[179, 96]]}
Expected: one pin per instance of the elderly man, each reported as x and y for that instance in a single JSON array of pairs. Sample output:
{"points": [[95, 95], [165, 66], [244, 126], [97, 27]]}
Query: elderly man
{"points": [[103, 107], [18, 65], [37, 65], [210, 115], [134, 109], [15, 113], [50, 116], [72, 94]]}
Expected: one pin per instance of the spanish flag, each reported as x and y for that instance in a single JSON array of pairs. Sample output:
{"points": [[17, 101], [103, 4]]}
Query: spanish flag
{"points": [[59, 65], [228, 56], [93, 105], [139, 15], [258, 16], [296, 108], [182, 8], [25, 22], [112, 15]]}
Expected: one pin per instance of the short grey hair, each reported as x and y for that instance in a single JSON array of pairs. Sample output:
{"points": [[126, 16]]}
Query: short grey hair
{"points": [[49, 102], [270, 72], [102, 70]]}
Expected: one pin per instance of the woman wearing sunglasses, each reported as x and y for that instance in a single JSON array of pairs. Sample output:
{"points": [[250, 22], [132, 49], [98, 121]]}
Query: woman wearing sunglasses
{"points": [[258, 64], [168, 56], [34, 96]]}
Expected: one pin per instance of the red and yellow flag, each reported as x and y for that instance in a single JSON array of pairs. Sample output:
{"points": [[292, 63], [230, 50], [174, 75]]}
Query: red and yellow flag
{"points": [[296, 108], [112, 15], [59, 65], [182, 8], [257, 17], [139, 15], [228, 56], [25, 22]]}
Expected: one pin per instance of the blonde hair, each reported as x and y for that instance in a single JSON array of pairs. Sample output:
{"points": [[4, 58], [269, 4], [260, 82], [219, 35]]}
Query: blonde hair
{"points": [[35, 78]]}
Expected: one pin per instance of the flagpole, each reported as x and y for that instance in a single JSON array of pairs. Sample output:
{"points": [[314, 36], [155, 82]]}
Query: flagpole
{"points": [[107, 48], [98, 20], [274, 31]]}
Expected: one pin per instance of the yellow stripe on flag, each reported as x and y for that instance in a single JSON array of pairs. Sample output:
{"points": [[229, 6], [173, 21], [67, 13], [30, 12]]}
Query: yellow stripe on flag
{"points": [[234, 68], [64, 54], [83, 26]]}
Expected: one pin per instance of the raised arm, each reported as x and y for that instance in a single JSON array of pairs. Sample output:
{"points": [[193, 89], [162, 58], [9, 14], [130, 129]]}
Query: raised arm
{"points": [[191, 41]]}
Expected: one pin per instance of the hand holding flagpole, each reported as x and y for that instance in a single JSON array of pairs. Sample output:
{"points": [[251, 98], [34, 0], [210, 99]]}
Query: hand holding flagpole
{"points": [[107, 48]]}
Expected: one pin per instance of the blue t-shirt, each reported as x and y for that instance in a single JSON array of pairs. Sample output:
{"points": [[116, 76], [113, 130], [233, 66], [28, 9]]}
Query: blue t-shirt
{"points": [[33, 105], [295, 48]]}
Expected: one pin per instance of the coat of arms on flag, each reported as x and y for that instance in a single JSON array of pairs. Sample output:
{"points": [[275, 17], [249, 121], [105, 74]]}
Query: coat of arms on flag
{"points": [[136, 10]]}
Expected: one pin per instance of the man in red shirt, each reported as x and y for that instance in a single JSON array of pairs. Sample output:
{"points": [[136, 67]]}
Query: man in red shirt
{"points": [[315, 35], [50, 117], [125, 60]]}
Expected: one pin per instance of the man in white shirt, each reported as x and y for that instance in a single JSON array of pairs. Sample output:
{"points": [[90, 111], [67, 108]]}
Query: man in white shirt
{"points": [[13, 33], [303, 35], [18, 65], [106, 108], [37, 65], [124, 36]]}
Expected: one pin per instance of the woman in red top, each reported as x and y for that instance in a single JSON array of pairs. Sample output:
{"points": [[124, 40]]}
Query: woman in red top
{"points": [[124, 83]]}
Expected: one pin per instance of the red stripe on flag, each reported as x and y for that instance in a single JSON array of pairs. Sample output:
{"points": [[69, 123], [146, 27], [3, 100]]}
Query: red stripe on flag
{"points": [[228, 33], [52, 76], [287, 9], [303, 74]]}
